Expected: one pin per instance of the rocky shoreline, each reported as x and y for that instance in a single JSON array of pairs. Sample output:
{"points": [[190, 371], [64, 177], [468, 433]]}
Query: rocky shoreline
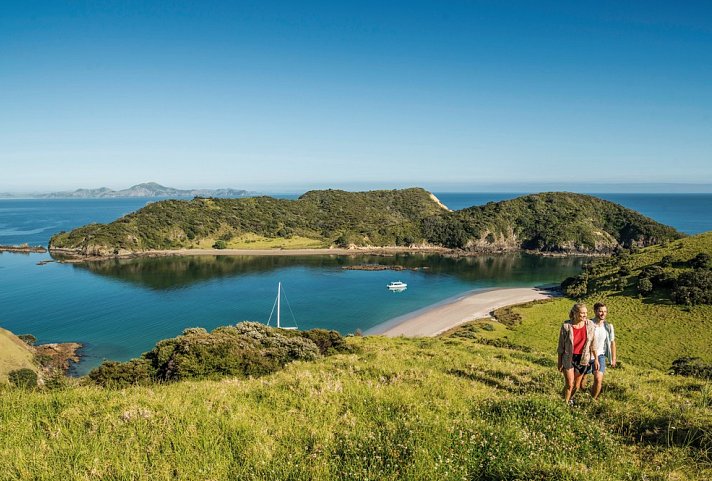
{"points": [[23, 249], [59, 356], [381, 267]]}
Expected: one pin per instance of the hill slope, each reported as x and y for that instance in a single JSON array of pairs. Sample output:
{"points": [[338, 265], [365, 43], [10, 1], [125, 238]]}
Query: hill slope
{"points": [[398, 409], [14, 354], [652, 329], [550, 222]]}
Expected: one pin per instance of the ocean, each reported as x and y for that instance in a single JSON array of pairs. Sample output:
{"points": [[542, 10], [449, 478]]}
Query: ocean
{"points": [[120, 309]]}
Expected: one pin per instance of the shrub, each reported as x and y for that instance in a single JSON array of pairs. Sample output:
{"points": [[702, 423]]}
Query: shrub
{"points": [[575, 287], [28, 339], [44, 360], [23, 378], [693, 288], [220, 244], [666, 261], [692, 366], [123, 374], [700, 261], [645, 287], [507, 316], [246, 349], [328, 342]]}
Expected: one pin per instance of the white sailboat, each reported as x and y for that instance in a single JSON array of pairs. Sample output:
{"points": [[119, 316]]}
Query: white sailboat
{"points": [[278, 305]]}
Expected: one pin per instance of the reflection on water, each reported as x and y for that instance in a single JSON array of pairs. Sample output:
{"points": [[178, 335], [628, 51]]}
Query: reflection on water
{"points": [[180, 272]]}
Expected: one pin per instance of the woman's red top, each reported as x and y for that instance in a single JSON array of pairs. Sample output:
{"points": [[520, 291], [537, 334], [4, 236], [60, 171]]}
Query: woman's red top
{"points": [[579, 339]]}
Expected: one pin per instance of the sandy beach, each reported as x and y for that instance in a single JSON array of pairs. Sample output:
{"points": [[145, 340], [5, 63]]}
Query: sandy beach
{"points": [[72, 256], [436, 319]]}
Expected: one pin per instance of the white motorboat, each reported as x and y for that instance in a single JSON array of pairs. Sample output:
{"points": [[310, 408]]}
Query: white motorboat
{"points": [[397, 286]]}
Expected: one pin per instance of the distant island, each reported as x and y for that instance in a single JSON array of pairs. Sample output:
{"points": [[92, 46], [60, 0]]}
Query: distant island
{"points": [[147, 189], [553, 222]]}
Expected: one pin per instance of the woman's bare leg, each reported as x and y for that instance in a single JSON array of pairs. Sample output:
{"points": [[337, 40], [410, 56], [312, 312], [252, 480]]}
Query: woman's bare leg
{"points": [[568, 384]]}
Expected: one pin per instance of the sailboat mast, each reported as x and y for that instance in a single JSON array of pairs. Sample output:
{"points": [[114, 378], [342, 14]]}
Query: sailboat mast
{"points": [[279, 295]]}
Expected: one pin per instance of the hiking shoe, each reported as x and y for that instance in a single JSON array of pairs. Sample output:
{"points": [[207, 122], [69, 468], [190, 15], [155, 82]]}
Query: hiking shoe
{"points": [[571, 403]]}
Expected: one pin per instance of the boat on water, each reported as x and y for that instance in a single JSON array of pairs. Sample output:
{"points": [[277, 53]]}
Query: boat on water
{"points": [[278, 305], [397, 286]]}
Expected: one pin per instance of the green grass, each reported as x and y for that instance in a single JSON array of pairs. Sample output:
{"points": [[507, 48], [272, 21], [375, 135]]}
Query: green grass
{"points": [[14, 354], [254, 241], [649, 335], [446, 409]]}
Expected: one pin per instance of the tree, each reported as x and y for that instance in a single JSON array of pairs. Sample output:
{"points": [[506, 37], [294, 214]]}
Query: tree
{"points": [[645, 287]]}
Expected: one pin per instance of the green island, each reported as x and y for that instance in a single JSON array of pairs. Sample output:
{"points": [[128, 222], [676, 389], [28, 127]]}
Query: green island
{"points": [[479, 402], [410, 218]]}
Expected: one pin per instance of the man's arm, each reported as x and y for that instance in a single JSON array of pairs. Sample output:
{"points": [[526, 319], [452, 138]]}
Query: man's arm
{"points": [[614, 357]]}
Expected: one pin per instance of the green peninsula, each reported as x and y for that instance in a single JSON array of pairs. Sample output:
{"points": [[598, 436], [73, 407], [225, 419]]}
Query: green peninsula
{"points": [[547, 222]]}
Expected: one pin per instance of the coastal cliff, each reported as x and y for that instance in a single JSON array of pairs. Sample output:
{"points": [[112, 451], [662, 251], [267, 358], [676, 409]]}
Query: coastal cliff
{"points": [[559, 223]]}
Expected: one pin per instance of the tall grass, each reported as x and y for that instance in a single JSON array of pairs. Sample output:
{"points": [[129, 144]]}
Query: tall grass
{"points": [[421, 409]]}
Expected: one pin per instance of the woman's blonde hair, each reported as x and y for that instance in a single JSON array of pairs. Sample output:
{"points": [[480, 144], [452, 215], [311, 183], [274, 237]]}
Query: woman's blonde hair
{"points": [[575, 310]]}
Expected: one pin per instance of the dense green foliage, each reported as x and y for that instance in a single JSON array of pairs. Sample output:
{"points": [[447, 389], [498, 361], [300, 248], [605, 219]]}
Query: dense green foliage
{"points": [[678, 271], [373, 218], [246, 349], [551, 222]]}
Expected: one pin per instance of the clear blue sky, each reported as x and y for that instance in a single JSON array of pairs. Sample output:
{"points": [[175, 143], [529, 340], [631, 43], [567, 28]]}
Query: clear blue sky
{"points": [[294, 95]]}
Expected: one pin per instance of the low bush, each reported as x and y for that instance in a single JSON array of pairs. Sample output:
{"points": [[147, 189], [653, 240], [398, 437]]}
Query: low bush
{"points": [[692, 366], [28, 339], [242, 350], [23, 378], [122, 374]]}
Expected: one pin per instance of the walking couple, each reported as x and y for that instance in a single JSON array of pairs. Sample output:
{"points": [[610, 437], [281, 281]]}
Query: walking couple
{"points": [[584, 346]]}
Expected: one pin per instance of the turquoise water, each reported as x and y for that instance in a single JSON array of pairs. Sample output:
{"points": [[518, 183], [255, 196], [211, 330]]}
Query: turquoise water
{"points": [[119, 309]]}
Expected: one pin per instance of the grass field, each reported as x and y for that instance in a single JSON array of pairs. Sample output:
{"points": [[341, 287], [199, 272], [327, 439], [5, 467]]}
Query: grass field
{"points": [[254, 241], [649, 335], [424, 409], [14, 354]]}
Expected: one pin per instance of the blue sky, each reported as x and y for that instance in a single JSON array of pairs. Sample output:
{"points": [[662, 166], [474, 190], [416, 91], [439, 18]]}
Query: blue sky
{"points": [[297, 95]]}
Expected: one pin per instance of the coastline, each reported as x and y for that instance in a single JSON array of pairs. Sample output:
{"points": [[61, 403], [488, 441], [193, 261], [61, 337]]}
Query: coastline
{"points": [[70, 256], [433, 320]]}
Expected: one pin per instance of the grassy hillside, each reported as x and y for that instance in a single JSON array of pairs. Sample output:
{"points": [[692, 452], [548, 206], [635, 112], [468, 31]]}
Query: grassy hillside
{"points": [[14, 354], [652, 330], [446, 409], [553, 222]]}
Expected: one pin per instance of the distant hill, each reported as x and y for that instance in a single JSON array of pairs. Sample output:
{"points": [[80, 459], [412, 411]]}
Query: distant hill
{"points": [[551, 222], [148, 189]]}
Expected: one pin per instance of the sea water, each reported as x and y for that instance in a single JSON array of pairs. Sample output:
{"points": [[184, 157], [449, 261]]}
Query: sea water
{"points": [[121, 308]]}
